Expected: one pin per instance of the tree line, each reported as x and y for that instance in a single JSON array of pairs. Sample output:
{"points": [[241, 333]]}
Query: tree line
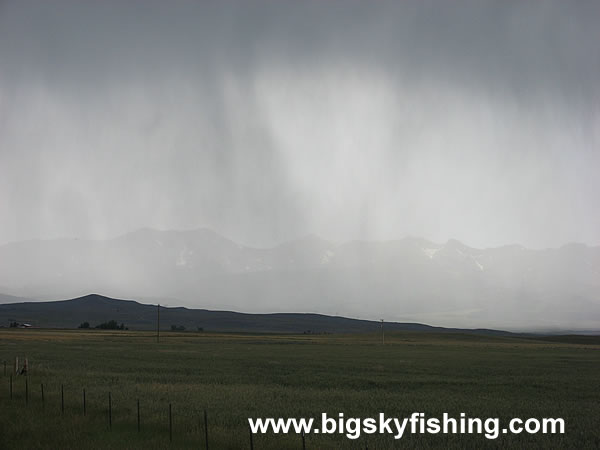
{"points": [[110, 325]]}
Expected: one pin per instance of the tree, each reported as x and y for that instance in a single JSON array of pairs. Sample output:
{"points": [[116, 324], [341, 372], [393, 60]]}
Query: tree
{"points": [[84, 325], [111, 325]]}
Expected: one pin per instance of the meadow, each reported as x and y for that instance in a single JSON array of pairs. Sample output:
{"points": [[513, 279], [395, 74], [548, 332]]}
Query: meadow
{"points": [[236, 376]]}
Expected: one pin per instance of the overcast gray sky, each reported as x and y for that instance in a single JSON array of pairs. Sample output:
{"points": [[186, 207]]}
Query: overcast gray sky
{"points": [[476, 120]]}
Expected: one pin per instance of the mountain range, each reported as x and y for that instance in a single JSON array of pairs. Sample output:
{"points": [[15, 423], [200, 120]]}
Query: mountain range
{"points": [[406, 280]]}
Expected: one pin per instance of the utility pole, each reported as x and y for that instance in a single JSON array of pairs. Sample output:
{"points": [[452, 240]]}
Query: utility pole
{"points": [[157, 323], [382, 334]]}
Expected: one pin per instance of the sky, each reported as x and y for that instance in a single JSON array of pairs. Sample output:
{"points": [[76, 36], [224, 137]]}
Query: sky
{"points": [[269, 120]]}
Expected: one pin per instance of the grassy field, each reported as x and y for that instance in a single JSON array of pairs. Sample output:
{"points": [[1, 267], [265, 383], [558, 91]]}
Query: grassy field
{"points": [[234, 377]]}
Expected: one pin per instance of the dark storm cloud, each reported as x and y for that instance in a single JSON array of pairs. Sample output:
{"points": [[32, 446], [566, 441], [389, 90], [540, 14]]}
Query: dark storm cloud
{"points": [[266, 120]]}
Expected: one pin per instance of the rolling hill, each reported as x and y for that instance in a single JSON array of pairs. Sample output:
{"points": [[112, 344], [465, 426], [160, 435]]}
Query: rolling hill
{"points": [[96, 309]]}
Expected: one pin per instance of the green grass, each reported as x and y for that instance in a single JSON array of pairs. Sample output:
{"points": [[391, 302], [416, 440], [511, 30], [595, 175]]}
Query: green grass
{"points": [[234, 377]]}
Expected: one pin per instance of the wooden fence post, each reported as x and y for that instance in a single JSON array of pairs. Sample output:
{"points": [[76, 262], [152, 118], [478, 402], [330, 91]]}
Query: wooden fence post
{"points": [[170, 425], [206, 429]]}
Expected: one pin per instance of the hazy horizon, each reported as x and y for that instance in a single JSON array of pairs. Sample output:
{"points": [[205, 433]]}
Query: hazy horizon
{"points": [[449, 284], [297, 238]]}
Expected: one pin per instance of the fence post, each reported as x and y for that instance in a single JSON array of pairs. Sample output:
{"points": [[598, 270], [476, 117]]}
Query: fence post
{"points": [[138, 414], [62, 399], [26, 389], [4, 367], [109, 412], [84, 408], [170, 425], [10, 384], [205, 429], [43, 402]]}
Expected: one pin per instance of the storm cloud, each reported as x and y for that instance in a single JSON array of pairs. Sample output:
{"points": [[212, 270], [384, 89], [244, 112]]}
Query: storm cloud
{"points": [[265, 121]]}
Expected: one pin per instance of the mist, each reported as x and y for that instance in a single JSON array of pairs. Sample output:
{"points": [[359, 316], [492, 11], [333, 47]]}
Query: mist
{"points": [[266, 121], [269, 121]]}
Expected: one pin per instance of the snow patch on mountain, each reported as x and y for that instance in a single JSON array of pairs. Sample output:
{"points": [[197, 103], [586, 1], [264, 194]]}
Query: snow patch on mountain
{"points": [[430, 252], [326, 258], [182, 257], [478, 264]]}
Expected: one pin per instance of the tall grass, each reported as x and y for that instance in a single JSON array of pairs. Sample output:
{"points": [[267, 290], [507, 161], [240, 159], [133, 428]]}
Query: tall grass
{"points": [[234, 377]]}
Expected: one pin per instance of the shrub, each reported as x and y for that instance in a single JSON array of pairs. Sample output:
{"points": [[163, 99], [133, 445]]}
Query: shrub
{"points": [[111, 325]]}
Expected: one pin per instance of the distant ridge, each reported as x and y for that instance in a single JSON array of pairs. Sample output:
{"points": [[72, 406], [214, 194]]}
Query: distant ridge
{"points": [[412, 279], [95, 309]]}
